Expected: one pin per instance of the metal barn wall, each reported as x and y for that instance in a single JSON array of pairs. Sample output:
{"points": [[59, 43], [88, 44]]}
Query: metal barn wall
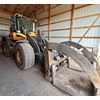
{"points": [[87, 21], [55, 26], [60, 23], [4, 24], [57, 22]]}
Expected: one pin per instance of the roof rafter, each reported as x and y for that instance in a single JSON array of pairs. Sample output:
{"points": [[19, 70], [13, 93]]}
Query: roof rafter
{"points": [[15, 9], [35, 7], [25, 10], [2, 11], [31, 12], [7, 7], [38, 9]]}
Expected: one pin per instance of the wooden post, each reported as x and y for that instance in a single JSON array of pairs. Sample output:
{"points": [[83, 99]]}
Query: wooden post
{"points": [[49, 20], [72, 21], [89, 29]]}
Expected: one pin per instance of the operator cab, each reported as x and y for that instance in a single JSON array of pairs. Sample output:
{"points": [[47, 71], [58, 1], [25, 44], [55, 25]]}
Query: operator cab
{"points": [[22, 24]]}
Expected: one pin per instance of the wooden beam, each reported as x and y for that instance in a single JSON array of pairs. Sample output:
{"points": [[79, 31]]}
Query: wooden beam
{"points": [[92, 15], [34, 7], [15, 9], [51, 8], [83, 6], [57, 29], [36, 10], [41, 8], [3, 7], [49, 20], [61, 21], [82, 27], [18, 8], [31, 13], [25, 10], [87, 37], [5, 12], [72, 21], [74, 18], [65, 11], [48, 8], [5, 18], [4, 24], [55, 15], [89, 28], [7, 7]]}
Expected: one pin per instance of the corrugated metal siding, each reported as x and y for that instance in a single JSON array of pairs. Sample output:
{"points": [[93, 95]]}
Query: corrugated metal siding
{"points": [[64, 16], [4, 21], [86, 21], [44, 27], [4, 15], [60, 9], [90, 42], [59, 25], [79, 5], [60, 17], [92, 32], [88, 10], [42, 15], [45, 21], [93, 9], [60, 33]]}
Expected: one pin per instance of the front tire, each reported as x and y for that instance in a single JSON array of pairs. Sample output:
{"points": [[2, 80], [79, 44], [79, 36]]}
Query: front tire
{"points": [[24, 55]]}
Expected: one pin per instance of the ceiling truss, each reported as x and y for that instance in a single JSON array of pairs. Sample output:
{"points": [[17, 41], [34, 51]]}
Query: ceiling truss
{"points": [[28, 10]]}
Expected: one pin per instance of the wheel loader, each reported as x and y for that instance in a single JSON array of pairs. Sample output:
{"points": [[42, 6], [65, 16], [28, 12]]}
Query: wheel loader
{"points": [[28, 46]]}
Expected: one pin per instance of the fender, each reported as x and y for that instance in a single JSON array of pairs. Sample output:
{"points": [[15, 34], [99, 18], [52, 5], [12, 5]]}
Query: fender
{"points": [[20, 41]]}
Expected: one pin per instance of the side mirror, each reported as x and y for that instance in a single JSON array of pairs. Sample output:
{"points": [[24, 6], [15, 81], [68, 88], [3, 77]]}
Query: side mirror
{"points": [[38, 23], [13, 19]]}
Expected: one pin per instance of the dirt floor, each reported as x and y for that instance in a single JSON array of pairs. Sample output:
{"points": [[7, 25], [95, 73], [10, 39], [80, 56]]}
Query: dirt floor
{"points": [[14, 82], [31, 82]]}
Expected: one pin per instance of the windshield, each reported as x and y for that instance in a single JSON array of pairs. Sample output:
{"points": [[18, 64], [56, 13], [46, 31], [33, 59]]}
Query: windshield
{"points": [[26, 24]]}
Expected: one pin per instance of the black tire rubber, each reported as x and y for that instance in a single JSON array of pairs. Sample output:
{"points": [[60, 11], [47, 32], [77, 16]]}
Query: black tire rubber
{"points": [[28, 56], [7, 51]]}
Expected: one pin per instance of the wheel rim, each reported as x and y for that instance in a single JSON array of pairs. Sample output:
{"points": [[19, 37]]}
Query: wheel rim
{"points": [[19, 57]]}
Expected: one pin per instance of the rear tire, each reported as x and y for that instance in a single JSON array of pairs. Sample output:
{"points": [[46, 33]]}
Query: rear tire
{"points": [[5, 49], [24, 55]]}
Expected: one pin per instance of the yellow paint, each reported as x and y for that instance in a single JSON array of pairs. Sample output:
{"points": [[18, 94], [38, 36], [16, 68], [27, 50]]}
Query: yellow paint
{"points": [[21, 36]]}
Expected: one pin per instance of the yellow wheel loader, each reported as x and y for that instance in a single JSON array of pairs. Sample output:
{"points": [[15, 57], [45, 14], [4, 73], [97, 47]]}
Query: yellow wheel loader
{"points": [[29, 46]]}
